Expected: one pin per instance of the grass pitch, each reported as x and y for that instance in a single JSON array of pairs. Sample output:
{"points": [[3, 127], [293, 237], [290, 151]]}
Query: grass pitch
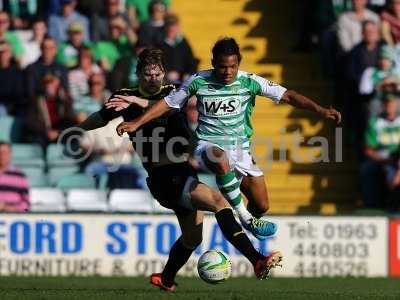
{"points": [[194, 289]]}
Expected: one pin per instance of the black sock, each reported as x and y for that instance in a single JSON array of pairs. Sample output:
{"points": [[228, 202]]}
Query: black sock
{"points": [[178, 256], [234, 233]]}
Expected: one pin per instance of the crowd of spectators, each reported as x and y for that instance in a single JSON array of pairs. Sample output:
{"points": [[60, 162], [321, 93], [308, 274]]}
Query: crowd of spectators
{"points": [[358, 41], [59, 60]]}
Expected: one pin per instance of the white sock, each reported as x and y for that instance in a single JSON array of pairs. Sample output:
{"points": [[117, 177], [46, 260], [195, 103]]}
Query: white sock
{"points": [[244, 215]]}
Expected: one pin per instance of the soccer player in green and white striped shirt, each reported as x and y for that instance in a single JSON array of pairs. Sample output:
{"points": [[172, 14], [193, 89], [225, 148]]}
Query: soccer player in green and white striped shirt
{"points": [[222, 147]]}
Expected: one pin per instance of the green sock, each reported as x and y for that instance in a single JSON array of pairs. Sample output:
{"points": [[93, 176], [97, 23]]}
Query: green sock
{"points": [[229, 186]]}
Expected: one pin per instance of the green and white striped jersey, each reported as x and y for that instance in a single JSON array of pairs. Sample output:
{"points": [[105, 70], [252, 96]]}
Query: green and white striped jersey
{"points": [[383, 135], [248, 126], [222, 107]]}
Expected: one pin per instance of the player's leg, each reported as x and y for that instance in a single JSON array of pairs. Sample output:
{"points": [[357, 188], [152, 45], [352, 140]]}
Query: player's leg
{"points": [[179, 187], [214, 159], [170, 185], [191, 226], [203, 197], [255, 190], [217, 161]]}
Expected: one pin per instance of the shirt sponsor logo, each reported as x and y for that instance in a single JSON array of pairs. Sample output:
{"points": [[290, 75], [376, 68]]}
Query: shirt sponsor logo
{"points": [[271, 83], [221, 107]]}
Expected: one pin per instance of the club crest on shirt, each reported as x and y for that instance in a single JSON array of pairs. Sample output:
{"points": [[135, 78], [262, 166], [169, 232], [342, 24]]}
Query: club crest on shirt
{"points": [[210, 87]]}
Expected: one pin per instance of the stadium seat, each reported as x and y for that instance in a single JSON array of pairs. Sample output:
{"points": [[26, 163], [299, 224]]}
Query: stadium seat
{"points": [[76, 181], [39, 181], [87, 200], [36, 176], [56, 156], [10, 129], [32, 171], [47, 200], [131, 200], [27, 155], [56, 172]]}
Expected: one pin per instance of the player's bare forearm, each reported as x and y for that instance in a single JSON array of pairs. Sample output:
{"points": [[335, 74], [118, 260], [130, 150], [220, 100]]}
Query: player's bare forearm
{"points": [[94, 121], [155, 111], [120, 102], [143, 103], [299, 101]]}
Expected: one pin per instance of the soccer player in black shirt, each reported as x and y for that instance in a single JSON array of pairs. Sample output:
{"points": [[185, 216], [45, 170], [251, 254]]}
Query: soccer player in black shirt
{"points": [[162, 145]]}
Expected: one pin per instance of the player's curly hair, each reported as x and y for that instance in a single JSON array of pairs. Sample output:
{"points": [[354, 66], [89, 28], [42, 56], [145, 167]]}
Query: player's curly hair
{"points": [[226, 46], [150, 56]]}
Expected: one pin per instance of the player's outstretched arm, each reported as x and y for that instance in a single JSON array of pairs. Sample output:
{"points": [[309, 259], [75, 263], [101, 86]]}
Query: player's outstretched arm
{"points": [[92, 122], [157, 110], [120, 102], [297, 100]]}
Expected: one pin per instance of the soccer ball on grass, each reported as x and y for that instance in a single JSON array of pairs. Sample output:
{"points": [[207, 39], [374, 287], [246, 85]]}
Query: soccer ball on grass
{"points": [[214, 266]]}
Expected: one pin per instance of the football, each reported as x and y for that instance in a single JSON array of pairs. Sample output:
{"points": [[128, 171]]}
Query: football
{"points": [[214, 266]]}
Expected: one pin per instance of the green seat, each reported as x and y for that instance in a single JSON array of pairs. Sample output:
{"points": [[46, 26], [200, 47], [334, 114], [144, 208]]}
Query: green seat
{"points": [[56, 172], [27, 155], [10, 129], [76, 181], [32, 171], [56, 156], [39, 181], [35, 175]]}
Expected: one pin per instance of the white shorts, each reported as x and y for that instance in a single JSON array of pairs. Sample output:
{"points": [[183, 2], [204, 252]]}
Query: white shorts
{"points": [[240, 160]]}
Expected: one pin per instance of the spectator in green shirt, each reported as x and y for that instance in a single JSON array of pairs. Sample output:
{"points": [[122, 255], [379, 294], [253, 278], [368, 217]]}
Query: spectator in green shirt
{"points": [[378, 81], [67, 53], [119, 45], [140, 8], [382, 144]]}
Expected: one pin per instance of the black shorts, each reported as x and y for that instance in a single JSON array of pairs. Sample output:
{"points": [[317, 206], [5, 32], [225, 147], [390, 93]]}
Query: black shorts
{"points": [[168, 185]]}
